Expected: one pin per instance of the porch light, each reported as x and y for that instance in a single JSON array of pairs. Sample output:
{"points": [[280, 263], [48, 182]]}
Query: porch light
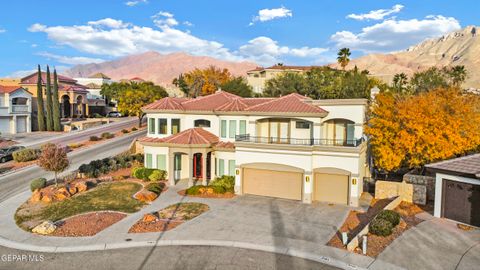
{"points": [[237, 172], [307, 178], [354, 181]]}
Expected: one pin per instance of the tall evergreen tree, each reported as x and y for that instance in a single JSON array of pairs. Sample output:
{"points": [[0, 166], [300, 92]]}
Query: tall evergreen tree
{"points": [[56, 104], [48, 94], [40, 108]]}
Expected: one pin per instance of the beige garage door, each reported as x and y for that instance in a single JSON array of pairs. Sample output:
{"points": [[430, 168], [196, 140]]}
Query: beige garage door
{"points": [[287, 185], [331, 188]]}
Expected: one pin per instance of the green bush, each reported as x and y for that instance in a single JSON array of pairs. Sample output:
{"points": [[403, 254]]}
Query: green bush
{"points": [[157, 175], [25, 155], [94, 138], [380, 227], [143, 173], [194, 190], [155, 187], [38, 184], [107, 135], [226, 182], [391, 216], [125, 131], [218, 189], [134, 129]]}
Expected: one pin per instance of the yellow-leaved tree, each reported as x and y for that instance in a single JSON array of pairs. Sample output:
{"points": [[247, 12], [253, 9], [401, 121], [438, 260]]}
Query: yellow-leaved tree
{"points": [[411, 131], [206, 81]]}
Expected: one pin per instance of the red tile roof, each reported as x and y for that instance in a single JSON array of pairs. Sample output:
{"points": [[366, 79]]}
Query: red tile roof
{"points": [[189, 136], [226, 102], [225, 145], [9, 89], [277, 67], [32, 78]]}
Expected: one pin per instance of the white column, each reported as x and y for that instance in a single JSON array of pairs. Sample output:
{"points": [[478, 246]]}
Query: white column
{"points": [[171, 169], [29, 123], [204, 168], [13, 127], [190, 173]]}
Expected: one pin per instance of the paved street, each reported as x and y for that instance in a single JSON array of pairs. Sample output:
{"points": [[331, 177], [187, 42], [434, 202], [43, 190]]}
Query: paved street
{"points": [[16, 182], [174, 257]]}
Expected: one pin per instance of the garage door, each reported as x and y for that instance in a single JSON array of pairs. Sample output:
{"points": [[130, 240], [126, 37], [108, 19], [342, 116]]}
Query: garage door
{"points": [[331, 188], [287, 185], [5, 125], [21, 124], [461, 202]]}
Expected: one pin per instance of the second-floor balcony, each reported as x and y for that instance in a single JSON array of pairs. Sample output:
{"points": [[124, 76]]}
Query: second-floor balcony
{"points": [[246, 138], [19, 108]]}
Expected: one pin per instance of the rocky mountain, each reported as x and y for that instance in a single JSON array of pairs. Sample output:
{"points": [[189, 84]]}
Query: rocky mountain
{"points": [[457, 48], [156, 67]]}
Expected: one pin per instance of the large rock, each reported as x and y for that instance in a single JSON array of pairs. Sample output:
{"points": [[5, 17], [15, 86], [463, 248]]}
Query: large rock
{"points": [[146, 196], [81, 186], [149, 218], [46, 227], [72, 190], [47, 198], [36, 196], [62, 194]]}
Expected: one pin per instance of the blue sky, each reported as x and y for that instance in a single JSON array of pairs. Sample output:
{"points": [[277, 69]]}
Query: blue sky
{"points": [[65, 33]]}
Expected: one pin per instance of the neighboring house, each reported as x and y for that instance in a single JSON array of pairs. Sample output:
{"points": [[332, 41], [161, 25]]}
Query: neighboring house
{"points": [[257, 77], [137, 80], [290, 147], [457, 189], [15, 110], [94, 84], [72, 96]]}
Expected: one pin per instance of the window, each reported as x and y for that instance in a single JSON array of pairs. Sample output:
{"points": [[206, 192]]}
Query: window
{"points": [[340, 132], [221, 167], [162, 126], [232, 128], [201, 123], [302, 124], [151, 125], [231, 167], [148, 161], [243, 127], [175, 126], [161, 162], [279, 131], [178, 162], [223, 128]]}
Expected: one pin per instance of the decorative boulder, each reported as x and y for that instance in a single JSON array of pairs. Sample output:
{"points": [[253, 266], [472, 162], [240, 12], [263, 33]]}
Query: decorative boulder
{"points": [[36, 196], [46, 227], [149, 218], [146, 196], [81, 187], [47, 198], [72, 190], [62, 194]]}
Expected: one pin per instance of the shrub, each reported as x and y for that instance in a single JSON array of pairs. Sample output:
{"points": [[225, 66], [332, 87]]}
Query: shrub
{"points": [[155, 187], [134, 129], [125, 131], [94, 138], [226, 182], [157, 175], [107, 135], [138, 157], [194, 190], [218, 189], [143, 173], [25, 155], [38, 183], [75, 145], [391, 216], [381, 227]]}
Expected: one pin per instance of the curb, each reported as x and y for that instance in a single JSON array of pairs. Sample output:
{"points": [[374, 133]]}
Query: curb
{"points": [[162, 243]]}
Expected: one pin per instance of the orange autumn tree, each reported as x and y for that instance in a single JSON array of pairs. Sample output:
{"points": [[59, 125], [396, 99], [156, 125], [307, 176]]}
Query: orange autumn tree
{"points": [[206, 81], [411, 131]]}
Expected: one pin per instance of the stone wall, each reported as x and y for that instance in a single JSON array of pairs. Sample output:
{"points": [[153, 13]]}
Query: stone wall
{"points": [[407, 192], [422, 180]]}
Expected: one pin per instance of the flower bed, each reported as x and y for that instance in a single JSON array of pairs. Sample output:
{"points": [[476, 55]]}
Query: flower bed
{"points": [[86, 224]]}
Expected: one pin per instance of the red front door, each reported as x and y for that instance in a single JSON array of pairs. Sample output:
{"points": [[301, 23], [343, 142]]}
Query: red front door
{"points": [[197, 165]]}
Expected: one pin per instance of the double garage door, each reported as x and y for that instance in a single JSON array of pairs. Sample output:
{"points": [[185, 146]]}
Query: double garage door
{"points": [[461, 202], [288, 185]]}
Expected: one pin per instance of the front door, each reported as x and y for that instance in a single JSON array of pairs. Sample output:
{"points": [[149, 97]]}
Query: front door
{"points": [[197, 165]]}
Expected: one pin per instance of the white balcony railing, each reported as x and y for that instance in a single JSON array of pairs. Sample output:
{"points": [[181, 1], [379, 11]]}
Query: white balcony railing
{"points": [[19, 108]]}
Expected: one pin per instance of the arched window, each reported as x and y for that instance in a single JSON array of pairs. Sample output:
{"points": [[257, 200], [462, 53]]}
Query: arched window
{"points": [[201, 123], [340, 132]]}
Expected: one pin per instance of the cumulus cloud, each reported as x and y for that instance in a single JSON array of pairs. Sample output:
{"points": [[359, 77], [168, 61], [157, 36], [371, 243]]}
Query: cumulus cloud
{"points": [[164, 19], [271, 14], [393, 35], [109, 22], [74, 60], [376, 14], [2, 30], [136, 2]]}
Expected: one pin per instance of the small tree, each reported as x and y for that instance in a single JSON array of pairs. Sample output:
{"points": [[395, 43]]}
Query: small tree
{"points": [[53, 159], [343, 57]]}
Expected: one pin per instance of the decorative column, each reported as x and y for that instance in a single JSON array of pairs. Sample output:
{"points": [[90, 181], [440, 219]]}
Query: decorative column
{"points": [[171, 169], [71, 110], [204, 168], [14, 125], [190, 168]]}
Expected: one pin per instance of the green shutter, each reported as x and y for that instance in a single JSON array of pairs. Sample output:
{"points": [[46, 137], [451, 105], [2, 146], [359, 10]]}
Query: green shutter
{"points": [[243, 127], [221, 167], [231, 167], [151, 125], [223, 128], [148, 160], [232, 128], [162, 162]]}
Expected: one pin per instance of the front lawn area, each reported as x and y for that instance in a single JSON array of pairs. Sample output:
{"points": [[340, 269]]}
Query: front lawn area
{"points": [[115, 196]]}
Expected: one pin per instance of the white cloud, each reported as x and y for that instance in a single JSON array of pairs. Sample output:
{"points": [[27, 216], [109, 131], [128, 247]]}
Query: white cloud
{"points": [[109, 22], [271, 14], [187, 23], [21, 73], [136, 2], [376, 14], [393, 35], [164, 19], [34, 45], [2, 30], [75, 60]]}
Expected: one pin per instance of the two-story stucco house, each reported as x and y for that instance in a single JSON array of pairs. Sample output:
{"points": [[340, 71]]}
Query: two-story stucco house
{"points": [[289, 147], [15, 110]]}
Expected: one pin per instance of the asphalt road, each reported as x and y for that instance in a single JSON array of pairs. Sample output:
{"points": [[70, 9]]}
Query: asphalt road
{"points": [[16, 182], [171, 257]]}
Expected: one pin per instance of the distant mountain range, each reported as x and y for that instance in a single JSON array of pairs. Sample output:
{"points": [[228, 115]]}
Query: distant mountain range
{"points": [[457, 48], [156, 67]]}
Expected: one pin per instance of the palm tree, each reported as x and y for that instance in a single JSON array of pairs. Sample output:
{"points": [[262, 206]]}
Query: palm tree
{"points": [[458, 74], [400, 80], [343, 57]]}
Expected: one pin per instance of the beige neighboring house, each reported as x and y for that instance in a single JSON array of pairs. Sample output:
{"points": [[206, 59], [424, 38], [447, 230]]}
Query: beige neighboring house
{"points": [[257, 77], [94, 84], [291, 147], [15, 110]]}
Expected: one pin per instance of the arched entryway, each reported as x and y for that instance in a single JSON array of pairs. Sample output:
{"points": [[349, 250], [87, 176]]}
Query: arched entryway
{"points": [[79, 106], [66, 113], [199, 162]]}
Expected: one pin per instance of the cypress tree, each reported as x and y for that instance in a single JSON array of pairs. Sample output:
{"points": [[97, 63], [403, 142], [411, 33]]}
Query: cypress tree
{"points": [[56, 104], [40, 108], [48, 94]]}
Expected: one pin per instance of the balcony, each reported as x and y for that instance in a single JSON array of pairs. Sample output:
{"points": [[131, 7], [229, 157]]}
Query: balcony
{"points": [[19, 108], [246, 138]]}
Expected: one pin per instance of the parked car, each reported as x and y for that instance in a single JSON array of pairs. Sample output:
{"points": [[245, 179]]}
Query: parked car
{"points": [[6, 153], [114, 114]]}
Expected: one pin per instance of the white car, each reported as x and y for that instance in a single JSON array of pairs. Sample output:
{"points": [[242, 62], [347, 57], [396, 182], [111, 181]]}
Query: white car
{"points": [[114, 114]]}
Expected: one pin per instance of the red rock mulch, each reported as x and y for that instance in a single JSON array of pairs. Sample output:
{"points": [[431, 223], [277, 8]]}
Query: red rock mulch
{"points": [[158, 226], [87, 224], [226, 195]]}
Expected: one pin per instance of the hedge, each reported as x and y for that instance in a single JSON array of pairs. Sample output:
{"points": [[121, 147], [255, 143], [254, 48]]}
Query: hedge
{"points": [[38, 183], [147, 174], [102, 166], [226, 182], [25, 155]]}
